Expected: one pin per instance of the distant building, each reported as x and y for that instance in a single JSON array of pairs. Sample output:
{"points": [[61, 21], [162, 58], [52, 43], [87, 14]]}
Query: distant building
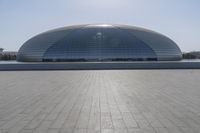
{"points": [[101, 42], [7, 55], [12, 53]]}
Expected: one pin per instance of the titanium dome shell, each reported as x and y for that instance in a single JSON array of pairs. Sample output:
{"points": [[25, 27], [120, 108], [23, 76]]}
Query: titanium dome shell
{"points": [[99, 42]]}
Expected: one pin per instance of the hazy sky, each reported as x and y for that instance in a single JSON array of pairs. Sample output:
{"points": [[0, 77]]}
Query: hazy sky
{"points": [[177, 19]]}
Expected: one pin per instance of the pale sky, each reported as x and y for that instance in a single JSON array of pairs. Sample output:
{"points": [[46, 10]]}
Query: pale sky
{"points": [[22, 19]]}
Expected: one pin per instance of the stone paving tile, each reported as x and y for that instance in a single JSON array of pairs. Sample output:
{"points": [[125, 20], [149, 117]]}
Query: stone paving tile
{"points": [[26, 131], [43, 127], [106, 101]]}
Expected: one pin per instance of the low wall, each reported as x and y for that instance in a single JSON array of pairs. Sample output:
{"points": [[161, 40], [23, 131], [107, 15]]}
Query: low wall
{"points": [[98, 65]]}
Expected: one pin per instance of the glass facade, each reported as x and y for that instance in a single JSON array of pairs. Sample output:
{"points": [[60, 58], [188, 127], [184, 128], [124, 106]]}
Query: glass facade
{"points": [[99, 44]]}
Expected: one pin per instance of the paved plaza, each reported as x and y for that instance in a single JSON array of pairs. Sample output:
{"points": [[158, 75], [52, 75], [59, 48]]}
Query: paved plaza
{"points": [[104, 101]]}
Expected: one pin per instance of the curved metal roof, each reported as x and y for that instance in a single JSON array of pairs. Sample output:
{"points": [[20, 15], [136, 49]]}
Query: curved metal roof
{"points": [[153, 43]]}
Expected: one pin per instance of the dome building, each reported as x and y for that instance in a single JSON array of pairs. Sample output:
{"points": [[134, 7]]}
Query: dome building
{"points": [[99, 42]]}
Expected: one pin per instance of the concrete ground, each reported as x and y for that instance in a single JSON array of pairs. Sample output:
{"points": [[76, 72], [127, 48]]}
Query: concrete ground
{"points": [[105, 101]]}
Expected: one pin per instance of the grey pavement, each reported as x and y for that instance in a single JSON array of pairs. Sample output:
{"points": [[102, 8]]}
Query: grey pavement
{"points": [[104, 101]]}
